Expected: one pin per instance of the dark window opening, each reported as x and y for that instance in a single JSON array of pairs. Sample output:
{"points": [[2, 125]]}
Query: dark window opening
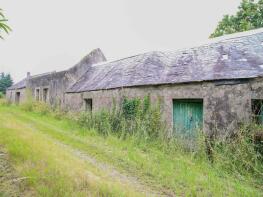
{"points": [[45, 94], [17, 98], [88, 105], [257, 111], [37, 94]]}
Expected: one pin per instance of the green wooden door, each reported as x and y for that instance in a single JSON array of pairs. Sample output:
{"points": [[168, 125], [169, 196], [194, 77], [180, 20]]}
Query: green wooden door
{"points": [[187, 116]]}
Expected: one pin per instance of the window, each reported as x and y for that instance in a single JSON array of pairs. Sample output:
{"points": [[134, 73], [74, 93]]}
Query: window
{"points": [[88, 105], [37, 96], [17, 97], [257, 111], [45, 94]]}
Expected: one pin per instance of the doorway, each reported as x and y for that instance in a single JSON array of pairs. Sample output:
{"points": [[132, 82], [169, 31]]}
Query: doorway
{"points": [[187, 116], [17, 98]]}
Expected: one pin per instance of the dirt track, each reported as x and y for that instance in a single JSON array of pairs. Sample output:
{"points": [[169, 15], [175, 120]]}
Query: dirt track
{"points": [[9, 182]]}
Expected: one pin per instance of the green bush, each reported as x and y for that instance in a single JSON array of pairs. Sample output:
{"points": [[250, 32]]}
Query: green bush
{"points": [[2, 95], [132, 118], [130, 108]]}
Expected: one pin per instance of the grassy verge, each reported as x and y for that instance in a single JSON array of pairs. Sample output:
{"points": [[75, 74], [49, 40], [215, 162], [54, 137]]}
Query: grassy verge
{"points": [[29, 138], [47, 169]]}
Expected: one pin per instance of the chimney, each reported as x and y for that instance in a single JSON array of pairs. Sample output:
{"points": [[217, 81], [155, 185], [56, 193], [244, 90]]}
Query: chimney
{"points": [[28, 75]]}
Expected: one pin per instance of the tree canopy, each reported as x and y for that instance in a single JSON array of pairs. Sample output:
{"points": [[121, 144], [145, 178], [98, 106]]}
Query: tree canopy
{"points": [[249, 16], [5, 82], [3, 25]]}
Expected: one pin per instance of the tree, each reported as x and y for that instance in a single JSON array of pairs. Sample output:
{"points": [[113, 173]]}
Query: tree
{"points": [[249, 16], [3, 26], [5, 82]]}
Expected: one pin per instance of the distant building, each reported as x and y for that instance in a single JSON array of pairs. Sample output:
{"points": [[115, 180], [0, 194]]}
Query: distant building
{"points": [[51, 87], [216, 86]]}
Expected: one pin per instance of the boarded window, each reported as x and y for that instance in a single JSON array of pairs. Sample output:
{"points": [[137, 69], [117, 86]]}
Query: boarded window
{"points": [[17, 98], [45, 94], [257, 110], [37, 96], [187, 116], [88, 105]]}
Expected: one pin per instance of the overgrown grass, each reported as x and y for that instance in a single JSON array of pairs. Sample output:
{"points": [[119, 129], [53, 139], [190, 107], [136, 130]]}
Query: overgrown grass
{"points": [[239, 154], [4, 102], [131, 143], [1, 95], [49, 170], [134, 118]]}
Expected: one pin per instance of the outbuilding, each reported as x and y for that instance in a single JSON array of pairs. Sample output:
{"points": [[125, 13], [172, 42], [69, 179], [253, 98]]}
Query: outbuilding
{"points": [[215, 87]]}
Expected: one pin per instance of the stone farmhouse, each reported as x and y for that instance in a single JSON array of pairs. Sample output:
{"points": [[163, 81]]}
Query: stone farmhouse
{"points": [[216, 86]]}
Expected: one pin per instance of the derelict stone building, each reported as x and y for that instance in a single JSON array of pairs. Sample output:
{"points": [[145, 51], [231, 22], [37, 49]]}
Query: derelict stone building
{"points": [[51, 87], [216, 86]]}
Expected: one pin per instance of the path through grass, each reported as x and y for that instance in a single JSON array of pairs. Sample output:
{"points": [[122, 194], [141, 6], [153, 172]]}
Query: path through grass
{"points": [[60, 159]]}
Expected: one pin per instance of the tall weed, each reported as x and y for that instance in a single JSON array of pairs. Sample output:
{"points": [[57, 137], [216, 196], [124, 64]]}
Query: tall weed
{"points": [[133, 118], [240, 154], [39, 107], [4, 102]]}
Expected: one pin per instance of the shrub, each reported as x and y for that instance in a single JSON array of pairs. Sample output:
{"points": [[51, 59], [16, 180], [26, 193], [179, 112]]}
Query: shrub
{"points": [[132, 118], [2, 95], [130, 108]]}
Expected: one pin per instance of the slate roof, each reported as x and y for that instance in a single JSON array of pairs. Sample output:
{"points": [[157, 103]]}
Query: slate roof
{"points": [[233, 57], [20, 85]]}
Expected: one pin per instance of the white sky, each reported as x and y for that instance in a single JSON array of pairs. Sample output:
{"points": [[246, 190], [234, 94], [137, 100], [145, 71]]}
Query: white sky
{"points": [[53, 35]]}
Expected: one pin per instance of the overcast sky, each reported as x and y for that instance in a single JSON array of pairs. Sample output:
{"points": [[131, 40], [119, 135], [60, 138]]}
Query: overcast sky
{"points": [[53, 35]]}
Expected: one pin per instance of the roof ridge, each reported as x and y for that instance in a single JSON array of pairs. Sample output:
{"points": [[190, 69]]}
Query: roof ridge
{"points": [[116, 60], [203, 44], [208, 64]]}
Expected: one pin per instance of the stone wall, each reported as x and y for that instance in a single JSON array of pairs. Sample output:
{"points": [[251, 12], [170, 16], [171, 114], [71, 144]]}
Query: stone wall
{"points": [[226, 103], [56, 84], [11, 95]]}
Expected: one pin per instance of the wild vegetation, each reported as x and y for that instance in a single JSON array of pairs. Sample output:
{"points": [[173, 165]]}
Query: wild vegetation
{"points": [[249, 16], [3, 24], [50, 146]]}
